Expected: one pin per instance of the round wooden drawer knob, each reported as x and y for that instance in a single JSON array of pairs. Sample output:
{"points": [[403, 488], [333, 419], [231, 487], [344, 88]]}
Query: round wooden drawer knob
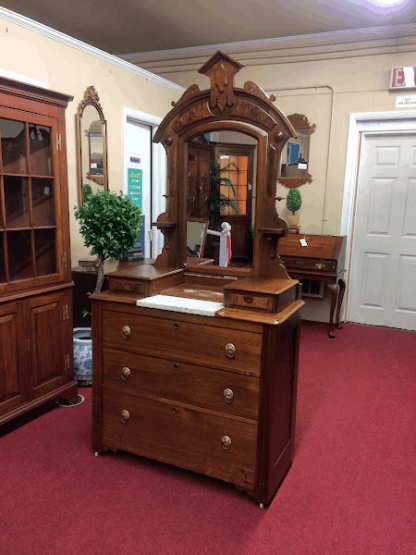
{"points": [[228, 395], [230, 350], [125, 416], [126, 331], [248, 299], [125, 374], [226, 443]]}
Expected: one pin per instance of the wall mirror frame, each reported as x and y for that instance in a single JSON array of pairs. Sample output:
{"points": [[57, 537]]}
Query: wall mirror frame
{"points": [[223, 106], [294, 170], [92, 152]]}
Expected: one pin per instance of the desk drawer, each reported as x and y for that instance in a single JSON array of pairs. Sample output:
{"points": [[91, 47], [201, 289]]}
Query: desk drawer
{"points": [[199, 386], [177, 340], [317, 265], [176, 426]]}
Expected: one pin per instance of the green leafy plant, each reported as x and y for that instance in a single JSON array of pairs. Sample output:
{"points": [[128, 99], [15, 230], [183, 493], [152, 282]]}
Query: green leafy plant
{"points": [[110, 224], [218, 201], [293, 200]]}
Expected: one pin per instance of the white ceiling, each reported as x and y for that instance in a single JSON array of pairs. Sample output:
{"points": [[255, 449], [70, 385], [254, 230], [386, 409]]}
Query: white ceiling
{"points": [[131, 26]]}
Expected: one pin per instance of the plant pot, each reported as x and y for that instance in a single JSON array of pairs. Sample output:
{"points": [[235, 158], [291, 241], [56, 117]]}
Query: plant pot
{"points": [[293, 220], [83, 356]]}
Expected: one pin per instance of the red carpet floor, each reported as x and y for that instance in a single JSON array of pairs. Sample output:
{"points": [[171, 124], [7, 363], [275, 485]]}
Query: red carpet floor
{"points": [[351, 489]]}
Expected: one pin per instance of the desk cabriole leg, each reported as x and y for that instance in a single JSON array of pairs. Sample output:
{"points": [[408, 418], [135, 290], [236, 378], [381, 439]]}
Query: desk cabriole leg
{"points": [[334, 288], [341, 294]]}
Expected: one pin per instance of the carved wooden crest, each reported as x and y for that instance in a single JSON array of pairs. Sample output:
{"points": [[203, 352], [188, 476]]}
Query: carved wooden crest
{"points": [[90, 96], [221, 70]]}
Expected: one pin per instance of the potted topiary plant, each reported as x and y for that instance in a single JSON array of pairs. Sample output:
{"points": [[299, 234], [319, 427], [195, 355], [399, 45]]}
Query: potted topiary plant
{"points": [[293, 203], [110, 224]]}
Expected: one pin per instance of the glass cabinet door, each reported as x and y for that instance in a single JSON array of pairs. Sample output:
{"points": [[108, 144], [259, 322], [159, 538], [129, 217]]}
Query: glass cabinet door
{"points": [[28, 200]]}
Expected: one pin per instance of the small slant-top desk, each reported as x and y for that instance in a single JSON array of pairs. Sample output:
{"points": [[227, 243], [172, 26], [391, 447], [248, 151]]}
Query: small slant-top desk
{"points": [[323, 259], [193, 364]]}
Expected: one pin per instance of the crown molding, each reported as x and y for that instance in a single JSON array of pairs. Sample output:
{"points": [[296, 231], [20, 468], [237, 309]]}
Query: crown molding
{"points": [[32, 25], [366, 41]]}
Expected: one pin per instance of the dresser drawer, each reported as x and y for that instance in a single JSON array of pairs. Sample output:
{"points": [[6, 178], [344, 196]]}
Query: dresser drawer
{"points": [[177, 340], [225, 440], [251, 301], [200, 386]]}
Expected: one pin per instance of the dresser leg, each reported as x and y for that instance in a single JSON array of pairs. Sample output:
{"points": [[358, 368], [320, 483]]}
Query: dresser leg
{"points": [[334, 288], [341, 294]]}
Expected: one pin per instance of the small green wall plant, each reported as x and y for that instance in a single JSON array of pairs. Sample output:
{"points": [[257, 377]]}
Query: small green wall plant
{"points": [[110, 224], [293, 200]]}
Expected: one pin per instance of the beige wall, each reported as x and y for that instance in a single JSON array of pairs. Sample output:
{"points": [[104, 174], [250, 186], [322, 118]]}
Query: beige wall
{"points": [[71, 71], [319, 89]]}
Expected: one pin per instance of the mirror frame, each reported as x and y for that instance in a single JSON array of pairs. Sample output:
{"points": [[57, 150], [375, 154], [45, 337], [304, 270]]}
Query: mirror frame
{"points": [[299, 122], [224, 107], [91, 98]]}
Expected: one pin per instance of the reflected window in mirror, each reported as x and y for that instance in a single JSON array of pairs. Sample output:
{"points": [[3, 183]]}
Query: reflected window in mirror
{"points": [[294, 170], [91, 144]]}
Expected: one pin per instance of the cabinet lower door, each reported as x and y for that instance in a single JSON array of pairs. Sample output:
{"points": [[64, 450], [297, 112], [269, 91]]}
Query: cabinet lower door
{"points": [[12, 359], [48, 356]]}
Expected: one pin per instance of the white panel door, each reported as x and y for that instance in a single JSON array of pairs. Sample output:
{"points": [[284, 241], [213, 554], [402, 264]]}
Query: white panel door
{"points": [[383, 271]]}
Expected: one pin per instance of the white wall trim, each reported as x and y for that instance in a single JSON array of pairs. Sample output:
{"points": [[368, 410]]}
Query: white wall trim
{"points": [[23, 78], [338, 44], [362, 125], [32, 25]]}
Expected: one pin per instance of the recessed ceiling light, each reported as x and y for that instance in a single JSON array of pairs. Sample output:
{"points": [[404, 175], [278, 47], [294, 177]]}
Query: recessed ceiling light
{"points": [[386, 3]]}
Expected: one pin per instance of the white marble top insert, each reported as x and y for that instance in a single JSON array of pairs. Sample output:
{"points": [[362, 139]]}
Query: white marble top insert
{"points": [[181, 304]]}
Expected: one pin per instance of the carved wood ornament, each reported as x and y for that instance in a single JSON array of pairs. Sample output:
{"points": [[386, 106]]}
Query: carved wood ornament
{"points": [[223, 106]]}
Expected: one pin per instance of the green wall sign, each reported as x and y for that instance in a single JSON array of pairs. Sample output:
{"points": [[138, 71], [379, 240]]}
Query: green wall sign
{"points": [[134, 184]]}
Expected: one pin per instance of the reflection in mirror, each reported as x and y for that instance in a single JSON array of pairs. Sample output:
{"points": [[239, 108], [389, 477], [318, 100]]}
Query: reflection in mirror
{"points": [[294, 169], [196, 233], [295, 155], [221, 188], [92, 144]]}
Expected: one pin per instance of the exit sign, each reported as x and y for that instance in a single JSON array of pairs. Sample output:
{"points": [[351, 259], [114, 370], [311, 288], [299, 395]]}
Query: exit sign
{"points": [[403, 78]]}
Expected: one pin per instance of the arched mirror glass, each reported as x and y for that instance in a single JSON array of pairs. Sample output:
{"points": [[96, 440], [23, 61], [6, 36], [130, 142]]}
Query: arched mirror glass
{"points": [[221, 189], [91, 143], [294, 169]]}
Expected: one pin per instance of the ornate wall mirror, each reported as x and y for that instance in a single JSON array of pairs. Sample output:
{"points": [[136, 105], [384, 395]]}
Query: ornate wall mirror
{"points": [[91, 128], [294, 170]]}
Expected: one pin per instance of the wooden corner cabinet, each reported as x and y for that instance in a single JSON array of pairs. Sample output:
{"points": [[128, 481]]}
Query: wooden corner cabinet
{"points": [[36, 354], [195, 365]]}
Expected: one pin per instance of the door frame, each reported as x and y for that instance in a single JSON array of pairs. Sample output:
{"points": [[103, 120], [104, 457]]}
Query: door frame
{"points": [[158, 161], [360, 126]]}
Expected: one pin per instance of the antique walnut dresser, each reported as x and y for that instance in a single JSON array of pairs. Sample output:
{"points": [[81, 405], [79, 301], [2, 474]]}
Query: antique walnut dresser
{"points": [[196, 365]]}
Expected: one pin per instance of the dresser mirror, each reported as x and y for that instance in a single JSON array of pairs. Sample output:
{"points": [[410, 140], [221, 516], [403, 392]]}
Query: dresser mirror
{"points": [[91, 128], [294, 170], [220, 182]]}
